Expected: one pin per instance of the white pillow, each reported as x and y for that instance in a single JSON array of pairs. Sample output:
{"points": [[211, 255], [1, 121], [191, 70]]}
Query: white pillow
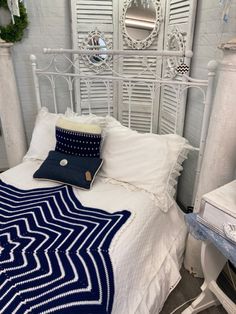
{"points": [[90, 118], [149, 162], [103, 122], [43, 138]]}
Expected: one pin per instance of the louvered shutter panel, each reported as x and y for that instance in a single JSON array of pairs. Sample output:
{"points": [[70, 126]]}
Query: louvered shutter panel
{"points": [[88, 15], [105, 15], [143, 112], [179, 19], [144, 116]]}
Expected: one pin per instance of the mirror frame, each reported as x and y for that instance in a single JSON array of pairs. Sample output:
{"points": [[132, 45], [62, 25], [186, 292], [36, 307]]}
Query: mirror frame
{"points": [[174, 62], [145, 43], [102, 65]]}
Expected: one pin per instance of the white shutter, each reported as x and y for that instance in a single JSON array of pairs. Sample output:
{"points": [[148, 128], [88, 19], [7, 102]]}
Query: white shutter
{"points": [[88, 15], [179, 20], [143, 108], [93, 12], [144, 113], [105, 15]]}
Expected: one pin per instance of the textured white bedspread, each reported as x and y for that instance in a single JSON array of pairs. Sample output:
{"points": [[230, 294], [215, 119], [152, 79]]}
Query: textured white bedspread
{"points": [[146, 253]]}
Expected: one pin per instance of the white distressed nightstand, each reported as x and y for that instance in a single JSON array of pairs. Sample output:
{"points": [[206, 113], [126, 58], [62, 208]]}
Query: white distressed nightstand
{"points": [[215, 252]]}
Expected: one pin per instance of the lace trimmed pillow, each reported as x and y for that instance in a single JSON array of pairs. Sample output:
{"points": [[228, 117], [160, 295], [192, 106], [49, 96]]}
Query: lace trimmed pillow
{"points": [[147, 162]]}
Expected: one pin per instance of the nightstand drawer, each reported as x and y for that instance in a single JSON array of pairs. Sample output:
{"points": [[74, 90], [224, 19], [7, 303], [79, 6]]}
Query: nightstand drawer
{"points": [[218, 208]]}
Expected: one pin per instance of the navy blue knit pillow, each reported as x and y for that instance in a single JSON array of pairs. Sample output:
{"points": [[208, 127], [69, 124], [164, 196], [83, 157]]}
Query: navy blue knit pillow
{"points": [[73, 170], [78, 143]]}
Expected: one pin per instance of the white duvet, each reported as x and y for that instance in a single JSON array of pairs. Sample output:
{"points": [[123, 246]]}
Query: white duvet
{"points": [[147, 251]]}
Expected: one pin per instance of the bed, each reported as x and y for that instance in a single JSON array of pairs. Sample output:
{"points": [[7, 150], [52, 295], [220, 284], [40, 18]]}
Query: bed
{"points": [[133, 212], [141, 287]]}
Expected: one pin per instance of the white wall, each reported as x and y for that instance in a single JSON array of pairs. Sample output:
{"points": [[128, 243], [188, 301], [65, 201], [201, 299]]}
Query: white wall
{"points": [[210, 31], [49, 26]]}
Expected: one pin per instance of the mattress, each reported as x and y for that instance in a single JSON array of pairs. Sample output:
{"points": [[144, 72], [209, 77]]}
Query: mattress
{"points": [[147, 251]]}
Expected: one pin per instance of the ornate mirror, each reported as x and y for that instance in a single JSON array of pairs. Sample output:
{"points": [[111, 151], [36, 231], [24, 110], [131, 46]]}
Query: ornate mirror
{"points": [[96, 41], [175, 42], [140, 22]]}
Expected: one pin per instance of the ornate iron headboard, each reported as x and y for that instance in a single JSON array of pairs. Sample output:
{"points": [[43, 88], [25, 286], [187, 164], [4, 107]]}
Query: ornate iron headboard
{"points": [[120, 88]]}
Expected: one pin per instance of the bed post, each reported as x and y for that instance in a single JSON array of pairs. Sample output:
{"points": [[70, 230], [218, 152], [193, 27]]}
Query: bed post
{"points": [[212, 66], [33, 60]]}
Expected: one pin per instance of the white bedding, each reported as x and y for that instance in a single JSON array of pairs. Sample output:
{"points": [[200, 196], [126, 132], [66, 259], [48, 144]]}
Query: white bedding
{"points": [[146, 253]]}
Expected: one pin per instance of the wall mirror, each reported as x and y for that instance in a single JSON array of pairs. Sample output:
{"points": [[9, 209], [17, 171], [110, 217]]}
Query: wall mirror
{"points": [[140, 22], [96, 41], [175, 42]]}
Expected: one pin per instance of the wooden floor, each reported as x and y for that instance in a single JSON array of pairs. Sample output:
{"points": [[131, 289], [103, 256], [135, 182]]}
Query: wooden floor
{"points": [[188, 288]]}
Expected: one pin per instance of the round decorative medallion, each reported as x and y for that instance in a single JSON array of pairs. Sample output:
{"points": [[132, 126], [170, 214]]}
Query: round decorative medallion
{"points": [[182, 68]]}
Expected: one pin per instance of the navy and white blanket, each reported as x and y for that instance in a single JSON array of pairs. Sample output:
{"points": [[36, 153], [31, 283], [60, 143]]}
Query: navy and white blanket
{"points": [[54, 252]]}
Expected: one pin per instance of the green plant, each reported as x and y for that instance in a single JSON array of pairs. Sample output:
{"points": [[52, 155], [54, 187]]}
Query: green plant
{"points": [[14, 32]]}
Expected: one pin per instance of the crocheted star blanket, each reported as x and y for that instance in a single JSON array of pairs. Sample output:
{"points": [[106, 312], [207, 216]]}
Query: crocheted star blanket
{"points": [[54, 252]]}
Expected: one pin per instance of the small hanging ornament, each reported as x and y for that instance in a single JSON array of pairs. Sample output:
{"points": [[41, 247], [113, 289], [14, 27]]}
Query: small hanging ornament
{"points": [[182, 68]]}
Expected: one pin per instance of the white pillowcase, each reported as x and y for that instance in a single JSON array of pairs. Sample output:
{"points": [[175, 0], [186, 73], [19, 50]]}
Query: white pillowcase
{"points": [[149, 162], [90, 118], [43, 138], [105, 123]]}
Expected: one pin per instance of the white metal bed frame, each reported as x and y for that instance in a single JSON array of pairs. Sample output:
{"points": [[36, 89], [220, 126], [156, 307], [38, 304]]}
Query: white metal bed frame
{"points": [[147, 76]]}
